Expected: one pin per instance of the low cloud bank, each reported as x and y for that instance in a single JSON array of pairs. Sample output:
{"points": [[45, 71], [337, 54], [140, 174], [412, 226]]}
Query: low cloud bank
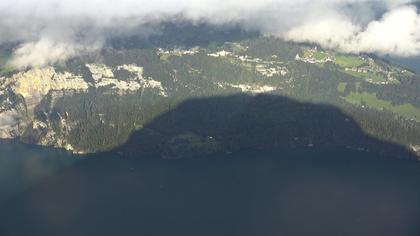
{"points": [[396, 33], [50, 31]]}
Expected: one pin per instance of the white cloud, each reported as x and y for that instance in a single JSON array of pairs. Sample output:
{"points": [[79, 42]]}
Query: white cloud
{"points": [[397, 33], [45, 51], [53, 30]]}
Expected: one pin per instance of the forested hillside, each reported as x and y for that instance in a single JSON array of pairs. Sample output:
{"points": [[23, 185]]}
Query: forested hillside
{"points": [[96, 102]]}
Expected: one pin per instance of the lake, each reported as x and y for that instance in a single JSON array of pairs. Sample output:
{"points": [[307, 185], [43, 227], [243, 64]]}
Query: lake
{"points": [[412, 63], [300, 192]]}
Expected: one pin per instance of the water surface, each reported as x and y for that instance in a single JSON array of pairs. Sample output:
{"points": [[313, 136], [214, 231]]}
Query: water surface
{"points": [[300, 192]]}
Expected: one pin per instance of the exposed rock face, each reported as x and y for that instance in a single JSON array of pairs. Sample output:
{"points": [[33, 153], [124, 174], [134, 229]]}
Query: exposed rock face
{"points": [[34, 84], [21, 93], [38, 82], [416, 150], [104, 76], [12, 112]]}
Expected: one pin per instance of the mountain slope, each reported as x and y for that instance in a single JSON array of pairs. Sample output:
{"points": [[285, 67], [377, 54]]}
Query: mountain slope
{"points": [[96, 102]]}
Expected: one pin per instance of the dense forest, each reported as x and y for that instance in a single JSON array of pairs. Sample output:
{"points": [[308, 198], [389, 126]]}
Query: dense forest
{"points": [[305, 93]]}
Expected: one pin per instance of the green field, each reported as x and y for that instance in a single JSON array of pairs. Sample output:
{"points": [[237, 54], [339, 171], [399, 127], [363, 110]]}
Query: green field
{"points": [[374, 77], [342, 87], [369, 99], [164, 57], [348, 61], [317, 55], [307, 53], [237, 48], [320, 55]]}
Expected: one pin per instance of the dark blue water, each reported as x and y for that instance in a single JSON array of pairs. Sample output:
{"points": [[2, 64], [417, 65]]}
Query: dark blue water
{"points": [[301, 192], [410, 63]]}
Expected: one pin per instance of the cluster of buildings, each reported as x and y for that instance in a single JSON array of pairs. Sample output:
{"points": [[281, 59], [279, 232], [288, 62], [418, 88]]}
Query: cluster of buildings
{"points": [[311, 57], [178, 51], [369, 68], [265, 68]]}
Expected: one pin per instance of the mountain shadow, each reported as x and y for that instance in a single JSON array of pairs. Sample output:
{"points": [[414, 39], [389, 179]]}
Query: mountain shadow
{"points": [[241, 122]]}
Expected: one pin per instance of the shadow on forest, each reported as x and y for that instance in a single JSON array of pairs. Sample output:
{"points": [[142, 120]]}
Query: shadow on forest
{"points": [[238, 122], [294, 195]]}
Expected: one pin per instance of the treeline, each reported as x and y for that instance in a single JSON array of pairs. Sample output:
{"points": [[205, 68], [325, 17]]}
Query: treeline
{"points": [[408, 91]]}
